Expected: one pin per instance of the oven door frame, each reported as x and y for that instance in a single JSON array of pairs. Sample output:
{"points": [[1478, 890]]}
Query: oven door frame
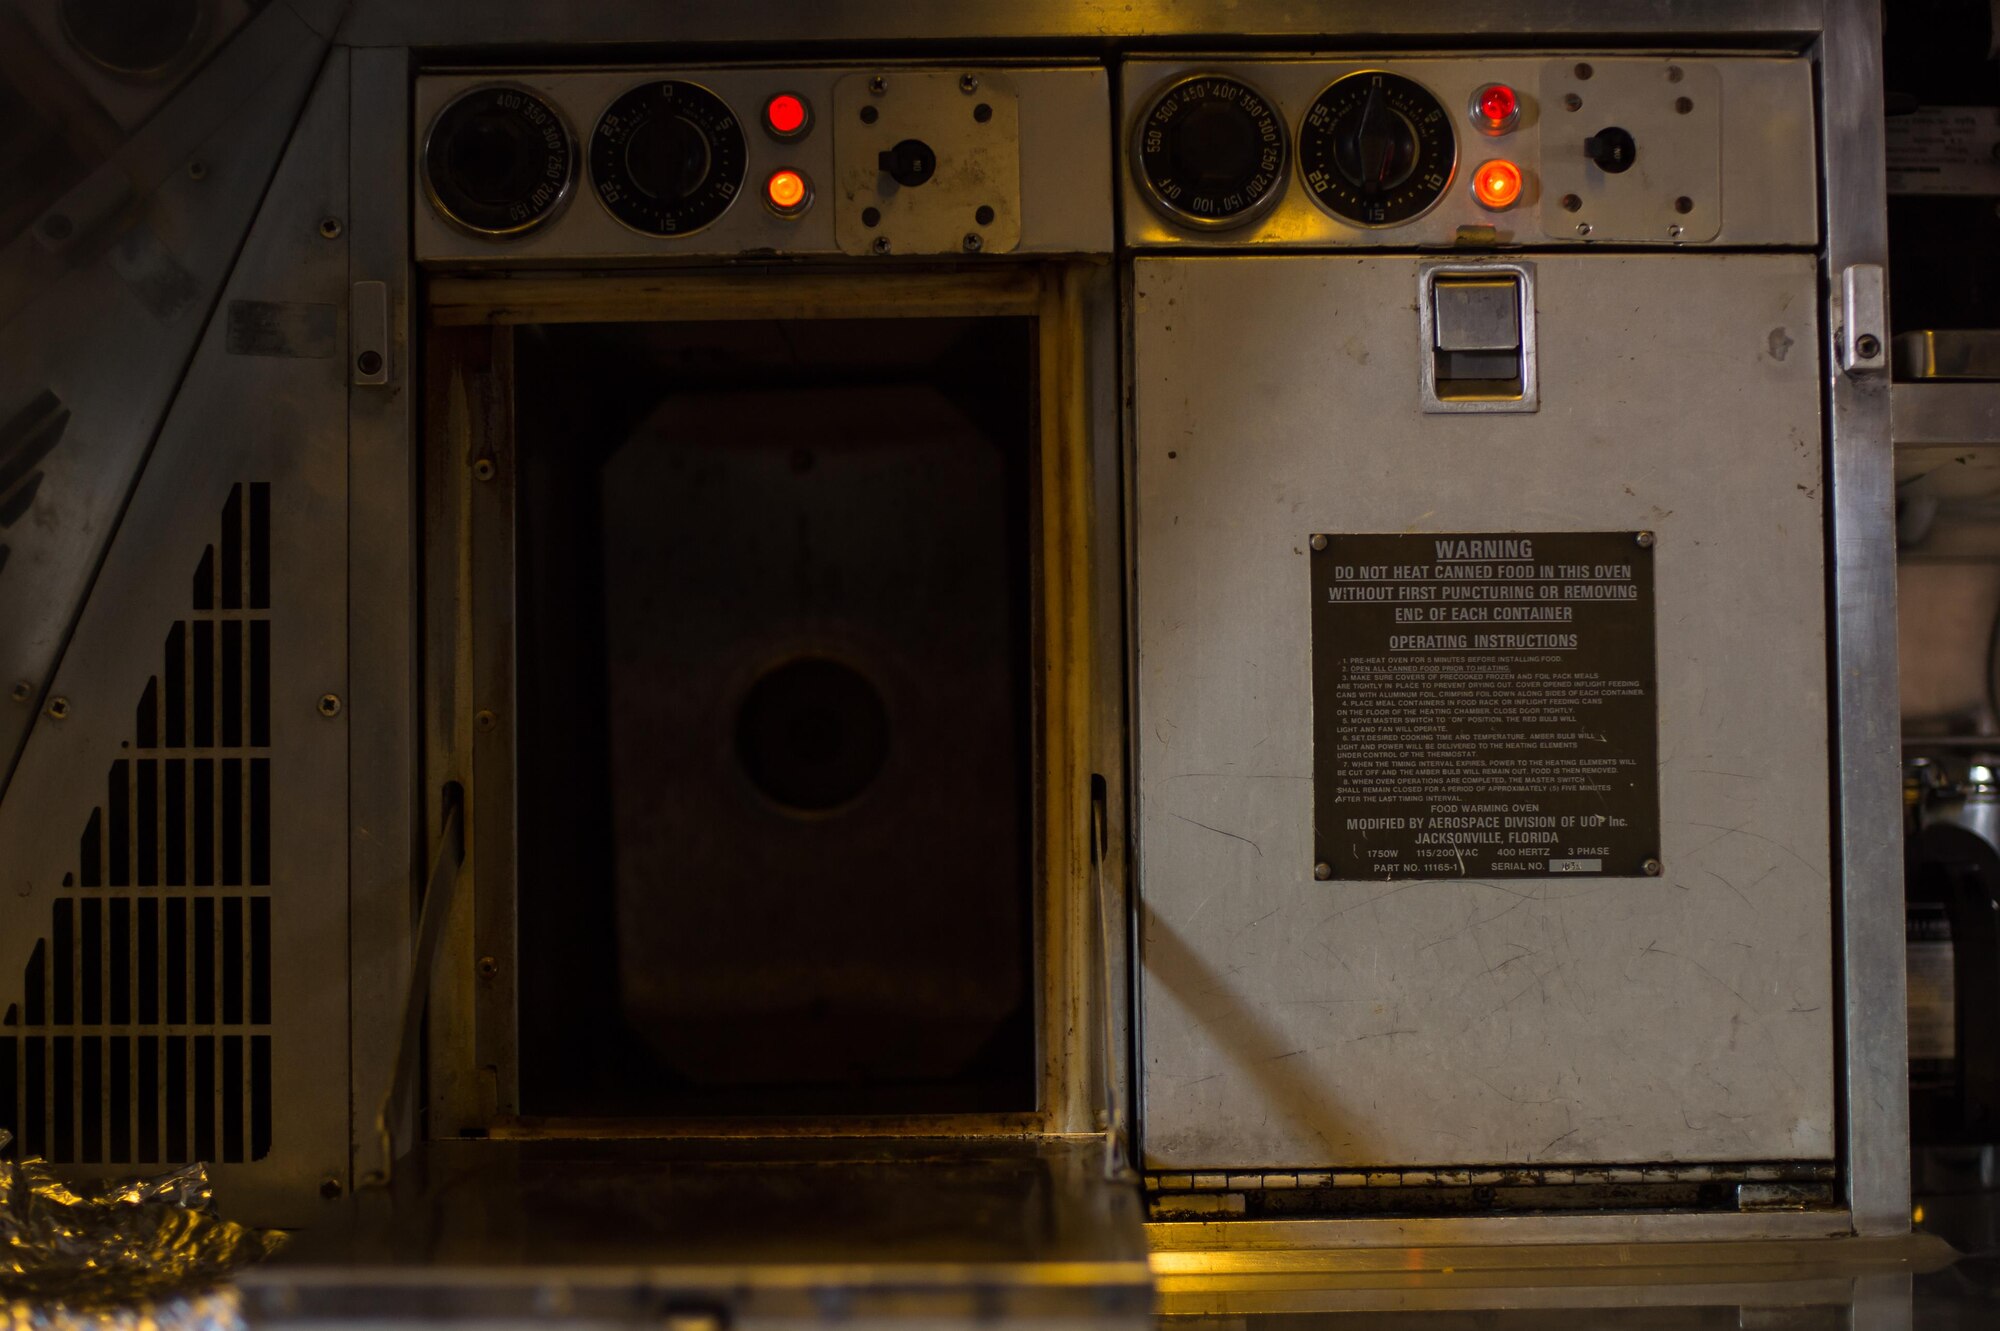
{"points": [[469, 516]]}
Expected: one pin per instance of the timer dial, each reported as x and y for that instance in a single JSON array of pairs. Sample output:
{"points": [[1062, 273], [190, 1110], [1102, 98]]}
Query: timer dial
{"points": [[1376, 149], [1211, 152], [498, 161], [667, 158]]}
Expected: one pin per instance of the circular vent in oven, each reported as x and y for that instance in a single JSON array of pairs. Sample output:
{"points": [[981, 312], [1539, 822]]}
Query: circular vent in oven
{"points": [[132, 38], [498, 161]]}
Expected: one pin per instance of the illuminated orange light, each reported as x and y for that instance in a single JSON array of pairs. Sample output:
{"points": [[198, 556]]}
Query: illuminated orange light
{"points": [[786, 190], [1497, 184]]}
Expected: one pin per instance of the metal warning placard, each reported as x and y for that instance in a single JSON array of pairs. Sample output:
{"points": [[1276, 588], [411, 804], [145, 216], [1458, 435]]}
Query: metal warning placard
{"points": [[1484, 706]]}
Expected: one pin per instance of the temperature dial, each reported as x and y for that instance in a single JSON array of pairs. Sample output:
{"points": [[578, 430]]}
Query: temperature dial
{"points": [[1376, 149], [667, 158], [498, 161], [1211, 152]]}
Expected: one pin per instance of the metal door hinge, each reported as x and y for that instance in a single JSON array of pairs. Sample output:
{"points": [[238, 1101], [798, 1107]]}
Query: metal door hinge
{"points": [[1860, 316]]}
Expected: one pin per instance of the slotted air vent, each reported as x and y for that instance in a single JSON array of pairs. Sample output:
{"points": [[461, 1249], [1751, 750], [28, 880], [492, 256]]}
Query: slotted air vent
{"points": [[143, 1030]]}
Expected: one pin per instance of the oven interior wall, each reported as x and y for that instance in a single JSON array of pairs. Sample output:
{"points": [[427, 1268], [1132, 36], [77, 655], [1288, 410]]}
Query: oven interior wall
{"points": [[774, 743]]}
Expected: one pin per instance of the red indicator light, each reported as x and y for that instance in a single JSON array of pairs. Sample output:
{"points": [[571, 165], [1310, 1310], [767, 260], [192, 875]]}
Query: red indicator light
{"points": [[787, 192], [1496, 108], [787, 115], [1497, 184]]}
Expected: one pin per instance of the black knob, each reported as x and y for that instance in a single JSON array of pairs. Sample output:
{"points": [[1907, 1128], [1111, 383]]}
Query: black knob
{"points": [[1380, 147], [1612, 149], [910, 162], [667, 158]]}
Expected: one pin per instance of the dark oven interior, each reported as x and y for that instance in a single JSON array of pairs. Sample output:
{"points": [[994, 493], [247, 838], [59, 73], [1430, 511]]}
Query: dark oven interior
{"points": [[775, 743]]}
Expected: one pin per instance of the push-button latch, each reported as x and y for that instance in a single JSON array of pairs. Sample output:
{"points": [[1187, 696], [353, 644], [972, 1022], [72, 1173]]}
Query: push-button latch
{"points": [[1478, 326]]}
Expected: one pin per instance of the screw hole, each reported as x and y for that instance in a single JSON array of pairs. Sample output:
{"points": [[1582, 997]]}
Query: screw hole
{"points": [[1683, 104], [369, 362], [1571, 203], [1584, 71], [869, 115], [330, 228], [1683, 204], [197, 170], [984, 216], [982, 113], [58, 708], [871, 216]]}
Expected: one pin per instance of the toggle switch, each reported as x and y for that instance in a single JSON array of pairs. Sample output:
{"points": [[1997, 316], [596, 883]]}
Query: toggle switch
{"points": [[1478, 328]]}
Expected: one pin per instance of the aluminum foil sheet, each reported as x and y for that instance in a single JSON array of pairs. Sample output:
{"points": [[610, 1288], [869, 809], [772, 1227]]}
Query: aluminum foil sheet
{"points": [[147, 1254]]}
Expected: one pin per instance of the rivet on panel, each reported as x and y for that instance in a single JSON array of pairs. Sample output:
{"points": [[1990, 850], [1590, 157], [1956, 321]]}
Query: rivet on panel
{"points": [[488, 968], [484, 469], [1645, 539], [485, 720], [1323, 871], [1319, 542], [1651, 868]]}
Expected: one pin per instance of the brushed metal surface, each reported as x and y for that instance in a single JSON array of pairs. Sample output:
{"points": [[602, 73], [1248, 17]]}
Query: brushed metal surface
{"points": [[385, 827], [1867, 731], [1065, 162], [1289, 1023], [488, 23], [1766, 173], [109, 328], [280, 420]]}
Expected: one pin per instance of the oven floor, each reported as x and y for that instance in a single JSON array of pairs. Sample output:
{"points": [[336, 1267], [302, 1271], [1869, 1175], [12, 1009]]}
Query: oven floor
{"points": [[724, 1231]]}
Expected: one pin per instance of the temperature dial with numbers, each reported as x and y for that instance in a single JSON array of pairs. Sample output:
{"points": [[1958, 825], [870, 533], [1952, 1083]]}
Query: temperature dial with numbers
{"points": [[1211, 152], [667, 158], [1377, 149]]}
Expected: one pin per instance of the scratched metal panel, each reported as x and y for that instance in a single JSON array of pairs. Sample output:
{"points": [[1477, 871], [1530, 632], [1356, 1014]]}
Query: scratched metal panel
{"points": [[100, 332], [1294, 1023], [249, 471]]}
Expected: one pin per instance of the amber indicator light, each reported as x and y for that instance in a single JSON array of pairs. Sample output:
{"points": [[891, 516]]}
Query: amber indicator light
{"points": [[787, 192], [787, 116], [1497, 184]]}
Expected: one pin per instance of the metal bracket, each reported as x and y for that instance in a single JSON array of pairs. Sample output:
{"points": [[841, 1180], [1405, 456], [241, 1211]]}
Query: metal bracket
{"points": [[368, 333], [1860, 318]]}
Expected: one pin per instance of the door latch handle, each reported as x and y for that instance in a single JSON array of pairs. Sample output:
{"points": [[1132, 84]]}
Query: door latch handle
{"points": [[1860, 317]]}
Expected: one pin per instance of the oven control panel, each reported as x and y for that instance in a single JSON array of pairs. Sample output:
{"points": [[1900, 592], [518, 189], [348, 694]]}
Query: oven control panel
{"points": [[1486, 150], [576, 166]]}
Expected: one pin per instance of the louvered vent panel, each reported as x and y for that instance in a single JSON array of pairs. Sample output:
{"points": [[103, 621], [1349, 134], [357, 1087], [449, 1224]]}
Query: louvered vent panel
{"points": [[142, 1032]]}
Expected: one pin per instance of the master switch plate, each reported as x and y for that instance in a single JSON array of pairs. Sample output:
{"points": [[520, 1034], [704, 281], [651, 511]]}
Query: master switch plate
{"points": [[961, 134]]}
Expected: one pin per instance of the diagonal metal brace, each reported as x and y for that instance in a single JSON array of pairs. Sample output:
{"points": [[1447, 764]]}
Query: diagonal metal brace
{"points": [[440, 893]]}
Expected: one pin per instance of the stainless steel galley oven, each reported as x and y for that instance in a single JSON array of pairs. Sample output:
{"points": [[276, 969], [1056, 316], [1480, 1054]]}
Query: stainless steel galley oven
{"points": [[1284, 635]]}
